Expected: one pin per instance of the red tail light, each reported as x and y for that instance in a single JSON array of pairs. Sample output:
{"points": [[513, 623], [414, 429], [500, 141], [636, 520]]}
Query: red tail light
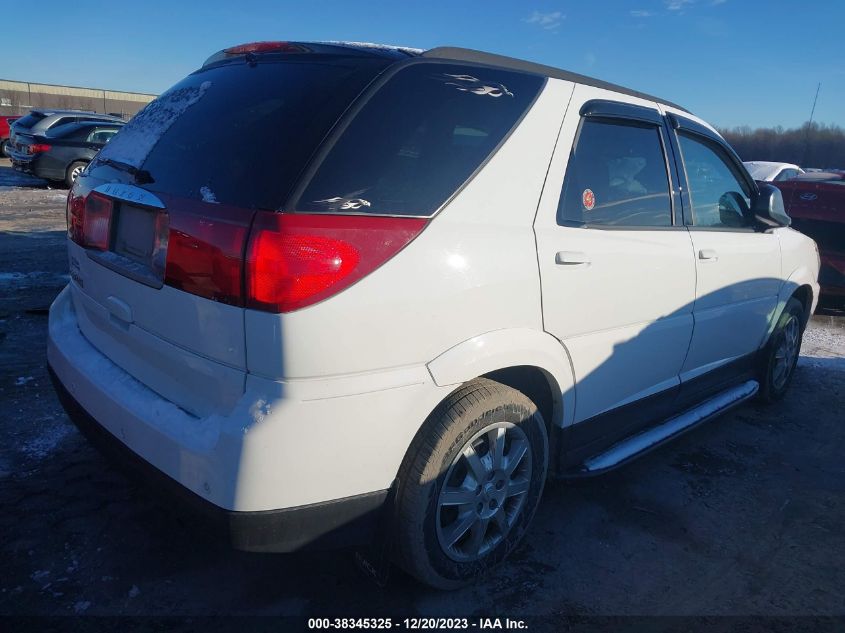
{"points": [[37, 148], [205, 257], [296, 260], [89, 220]]}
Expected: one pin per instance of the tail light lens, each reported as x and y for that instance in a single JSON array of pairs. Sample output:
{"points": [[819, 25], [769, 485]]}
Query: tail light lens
{"points": [[296, 260], [37, 148], [89, 220], [205, 257]]}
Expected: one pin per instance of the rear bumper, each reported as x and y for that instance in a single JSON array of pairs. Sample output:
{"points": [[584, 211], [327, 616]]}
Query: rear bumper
{"points": [[338, 523], [292, 464]]}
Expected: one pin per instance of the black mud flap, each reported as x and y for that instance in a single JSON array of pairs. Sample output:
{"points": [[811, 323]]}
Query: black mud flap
{"points": [[375, 559]]}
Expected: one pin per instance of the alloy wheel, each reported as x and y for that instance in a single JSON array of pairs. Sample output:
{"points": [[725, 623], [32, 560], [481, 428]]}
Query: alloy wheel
{"points": [[786, 352], [484, 492]]}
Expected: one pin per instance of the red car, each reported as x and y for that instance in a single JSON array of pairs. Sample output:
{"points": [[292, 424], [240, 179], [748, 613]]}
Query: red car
{"points": [[5, 121], [816, 203]]}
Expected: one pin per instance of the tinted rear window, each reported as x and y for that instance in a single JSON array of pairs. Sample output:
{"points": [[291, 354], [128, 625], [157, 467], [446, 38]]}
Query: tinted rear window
{"points": [[239, 133], [418, 139], [29, 120]]}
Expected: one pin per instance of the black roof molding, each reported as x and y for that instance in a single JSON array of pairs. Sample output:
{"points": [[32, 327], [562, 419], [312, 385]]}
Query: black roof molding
{"points": [[489, 59]]}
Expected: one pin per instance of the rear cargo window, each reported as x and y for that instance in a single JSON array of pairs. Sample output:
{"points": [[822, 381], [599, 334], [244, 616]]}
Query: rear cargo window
{"points": [[240, 133], [418, 139], [29, 120]]}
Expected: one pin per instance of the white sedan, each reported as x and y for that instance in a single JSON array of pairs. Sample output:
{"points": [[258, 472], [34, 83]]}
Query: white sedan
{"points": [[767, 171]]}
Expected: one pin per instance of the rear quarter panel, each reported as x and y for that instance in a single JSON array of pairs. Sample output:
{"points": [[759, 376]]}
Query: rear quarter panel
{"points": [[472, 270]]}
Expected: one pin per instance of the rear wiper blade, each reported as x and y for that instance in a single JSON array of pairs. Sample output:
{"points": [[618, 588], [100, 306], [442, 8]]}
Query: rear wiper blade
{"points": [[141, 176]]}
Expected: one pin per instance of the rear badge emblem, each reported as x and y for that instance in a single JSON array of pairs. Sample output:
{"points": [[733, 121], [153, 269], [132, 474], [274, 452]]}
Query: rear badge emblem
{"points": [[808, 196], [588, 199]]}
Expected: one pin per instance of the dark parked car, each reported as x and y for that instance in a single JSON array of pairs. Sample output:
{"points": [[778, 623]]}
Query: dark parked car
{"points": [[64, 151], [39, 121], [5, 121], [816, 203]]}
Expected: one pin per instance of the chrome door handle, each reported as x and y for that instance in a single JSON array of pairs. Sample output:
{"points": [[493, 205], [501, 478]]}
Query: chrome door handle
{"points": [[708, 254], [571, 258]]}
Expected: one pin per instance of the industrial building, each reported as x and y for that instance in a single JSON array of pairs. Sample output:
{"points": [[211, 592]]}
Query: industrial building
{"points": [[19, 97]]}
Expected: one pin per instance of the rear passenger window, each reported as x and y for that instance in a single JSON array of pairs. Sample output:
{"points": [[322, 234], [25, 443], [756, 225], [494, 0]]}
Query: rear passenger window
{"points": [[720, 197], [616, 176], [418, 139]]}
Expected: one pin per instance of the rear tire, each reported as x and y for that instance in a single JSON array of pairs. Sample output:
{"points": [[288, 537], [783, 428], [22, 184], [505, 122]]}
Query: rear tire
{"points": [[781, 354], [470, 484], [73, 172]]}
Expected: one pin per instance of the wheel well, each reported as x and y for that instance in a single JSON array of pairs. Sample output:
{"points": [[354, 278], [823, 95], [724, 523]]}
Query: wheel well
{"points": [[804, 294], [535, 384]]}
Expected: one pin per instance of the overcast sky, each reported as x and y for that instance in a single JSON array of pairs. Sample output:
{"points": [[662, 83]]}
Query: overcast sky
{"points": [[732, 62]]}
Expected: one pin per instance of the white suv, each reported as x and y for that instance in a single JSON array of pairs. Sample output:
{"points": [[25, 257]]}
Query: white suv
{"points": [[330, 290]]}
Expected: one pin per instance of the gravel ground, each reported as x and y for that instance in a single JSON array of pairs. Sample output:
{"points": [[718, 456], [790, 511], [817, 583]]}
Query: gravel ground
{"points": [[742, 516]]}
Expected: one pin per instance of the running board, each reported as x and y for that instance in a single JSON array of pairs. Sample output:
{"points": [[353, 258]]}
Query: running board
{"points": [[643, 442]]}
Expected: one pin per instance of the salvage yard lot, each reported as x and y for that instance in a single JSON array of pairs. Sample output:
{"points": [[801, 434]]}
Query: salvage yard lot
{"points": [[742, 516]]}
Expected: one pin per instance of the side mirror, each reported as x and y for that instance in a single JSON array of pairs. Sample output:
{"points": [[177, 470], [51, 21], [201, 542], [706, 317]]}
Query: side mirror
{"points": [[767, 208]]}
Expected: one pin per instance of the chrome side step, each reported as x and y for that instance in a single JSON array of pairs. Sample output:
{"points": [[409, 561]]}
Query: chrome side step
{"points": [[643, 442]]}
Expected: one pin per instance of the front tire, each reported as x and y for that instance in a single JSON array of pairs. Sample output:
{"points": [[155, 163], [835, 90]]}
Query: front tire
{"points": [[4, 148], [781, 354], [470, 484]]}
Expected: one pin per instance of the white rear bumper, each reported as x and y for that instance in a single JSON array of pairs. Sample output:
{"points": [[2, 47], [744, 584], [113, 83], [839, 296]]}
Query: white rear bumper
{"points": [[285, 444]]}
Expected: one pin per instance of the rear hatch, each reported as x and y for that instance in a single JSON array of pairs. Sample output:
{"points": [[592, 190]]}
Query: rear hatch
{"points": [[23, 125], [159, 222], [21, 145]]}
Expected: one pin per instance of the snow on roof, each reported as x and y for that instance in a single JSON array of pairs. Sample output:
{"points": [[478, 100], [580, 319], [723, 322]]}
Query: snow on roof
{"points": [[766, 170], [382, 47]]}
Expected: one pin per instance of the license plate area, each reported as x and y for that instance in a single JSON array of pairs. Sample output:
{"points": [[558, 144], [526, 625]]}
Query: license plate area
{"points": [[137, 245]]}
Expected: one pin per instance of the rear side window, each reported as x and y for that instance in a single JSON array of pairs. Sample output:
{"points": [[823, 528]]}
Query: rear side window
{"points": [[69, 120], [616, 176], [70, 131], [239, 133], [418, 139], [786, 174]]}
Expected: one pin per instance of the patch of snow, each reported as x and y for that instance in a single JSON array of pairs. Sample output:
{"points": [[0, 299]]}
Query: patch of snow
{"points": [[82, 606], [22, 380], [11, 179], [35, 278], [208, 195], [137, 138], [46, 443], [373, 45], [134, 592], [41, 574], [191, 432]]}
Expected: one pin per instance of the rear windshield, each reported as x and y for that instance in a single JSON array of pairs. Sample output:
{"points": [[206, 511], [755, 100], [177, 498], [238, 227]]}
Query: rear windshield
{"points": [[418, 139], [240, 133], [29, 120]]}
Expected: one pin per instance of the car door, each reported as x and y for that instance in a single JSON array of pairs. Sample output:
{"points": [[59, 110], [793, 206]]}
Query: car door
{"points": [[616, 266], [738, 267]]}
